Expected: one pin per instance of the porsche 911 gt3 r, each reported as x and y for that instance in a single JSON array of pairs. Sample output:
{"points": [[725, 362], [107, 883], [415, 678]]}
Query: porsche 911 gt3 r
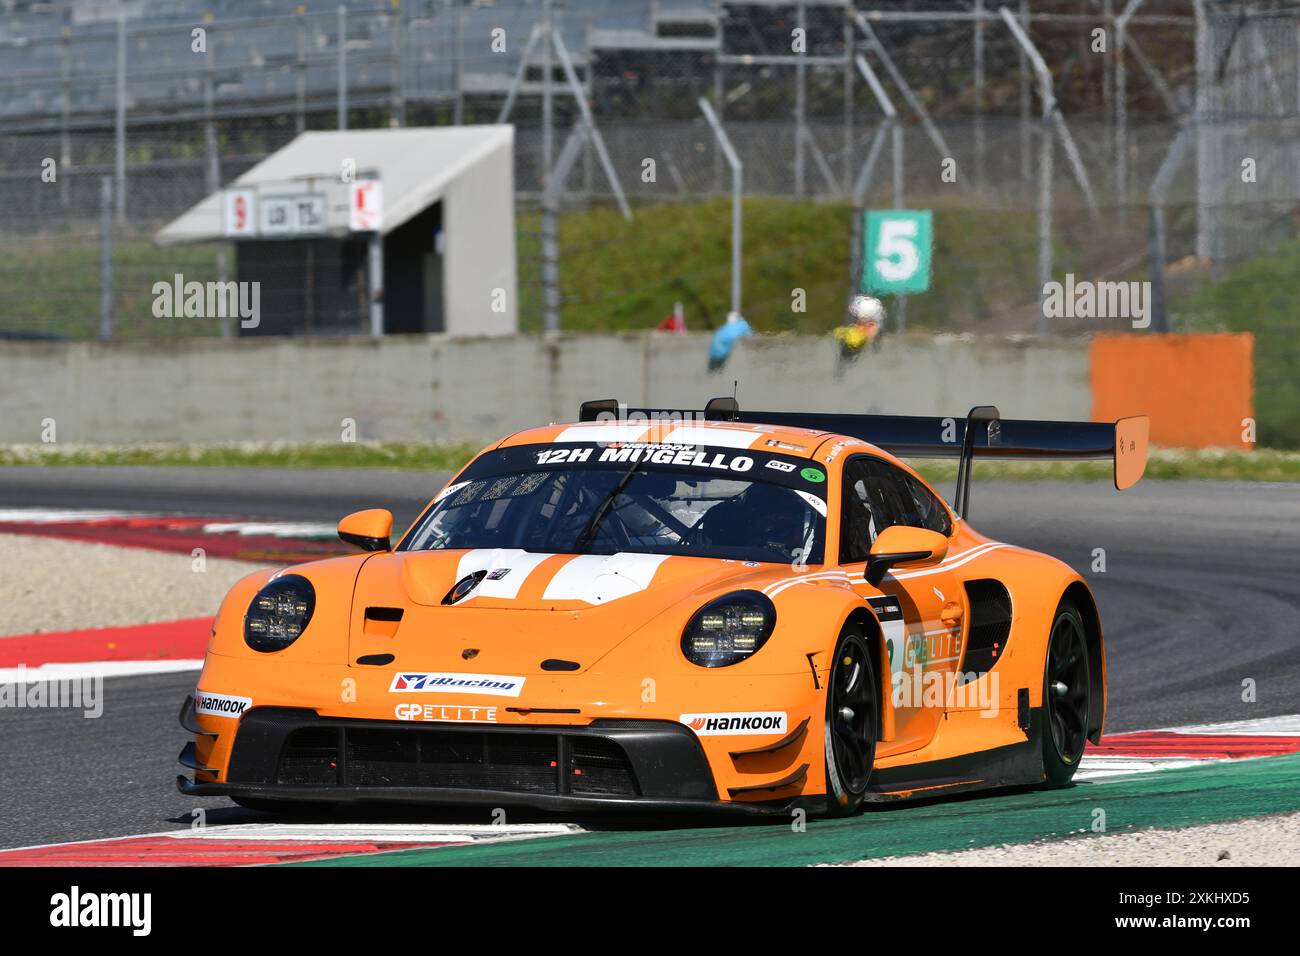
{"points": [[656, 608]]}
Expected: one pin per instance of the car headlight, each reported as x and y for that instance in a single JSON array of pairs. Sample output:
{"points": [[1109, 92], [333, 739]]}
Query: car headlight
{"points": [[729, 629], [279, 613]]}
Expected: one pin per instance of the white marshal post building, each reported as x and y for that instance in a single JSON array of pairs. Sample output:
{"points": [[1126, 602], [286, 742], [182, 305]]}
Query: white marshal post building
{"points": [[373, 231]]}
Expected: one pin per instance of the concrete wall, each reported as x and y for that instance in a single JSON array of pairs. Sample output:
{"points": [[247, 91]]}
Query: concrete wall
{"points": [[438, 387]]}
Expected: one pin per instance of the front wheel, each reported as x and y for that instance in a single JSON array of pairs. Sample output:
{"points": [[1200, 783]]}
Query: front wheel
{"points": [[1066, 689], [852, 706]]}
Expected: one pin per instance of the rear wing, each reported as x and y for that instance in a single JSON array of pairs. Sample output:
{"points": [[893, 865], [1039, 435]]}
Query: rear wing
{"points": [[983, 433]]}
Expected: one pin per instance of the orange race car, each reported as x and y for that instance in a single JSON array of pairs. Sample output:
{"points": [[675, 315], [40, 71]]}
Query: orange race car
{"points": [[657, 608]]}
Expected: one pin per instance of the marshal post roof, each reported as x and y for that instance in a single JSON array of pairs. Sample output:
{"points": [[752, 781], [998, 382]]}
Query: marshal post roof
{"points": [[416, 165]]}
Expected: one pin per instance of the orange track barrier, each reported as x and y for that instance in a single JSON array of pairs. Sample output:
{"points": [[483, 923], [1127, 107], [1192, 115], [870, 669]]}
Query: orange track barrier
{"points": [[1197, 388]]}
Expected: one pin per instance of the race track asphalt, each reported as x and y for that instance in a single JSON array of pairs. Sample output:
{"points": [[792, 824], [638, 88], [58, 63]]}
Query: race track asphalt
{"points": [[1200, 598]]}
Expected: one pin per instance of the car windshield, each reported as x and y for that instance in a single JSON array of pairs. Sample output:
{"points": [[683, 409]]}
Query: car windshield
{"points": [[654, 500]]}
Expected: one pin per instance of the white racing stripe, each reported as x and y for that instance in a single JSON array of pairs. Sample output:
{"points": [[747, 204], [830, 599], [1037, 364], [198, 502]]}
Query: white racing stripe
{"points": [[956, 561], [604, 432], [663, 433], [772, 590], [599, 578], [514, 566], [722, 437], [947, 564]]}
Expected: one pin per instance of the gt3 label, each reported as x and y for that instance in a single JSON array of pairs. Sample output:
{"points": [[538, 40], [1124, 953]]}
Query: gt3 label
{"points": [[219, 705], [721, 725], [422, 683], [454, 712]]}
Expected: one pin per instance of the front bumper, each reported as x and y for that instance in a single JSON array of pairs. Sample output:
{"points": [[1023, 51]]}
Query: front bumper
{"points": [[294, 754]]}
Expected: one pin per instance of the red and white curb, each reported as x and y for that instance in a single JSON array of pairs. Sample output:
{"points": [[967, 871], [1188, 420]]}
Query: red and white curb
{"points": [[163, 648], [1149, 750], [219, 537], [253, 844], [159, 648], [279, 529]]}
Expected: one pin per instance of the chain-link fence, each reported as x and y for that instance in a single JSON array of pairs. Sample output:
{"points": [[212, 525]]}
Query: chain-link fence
{"points": [[178, 99], [1246, 144]]}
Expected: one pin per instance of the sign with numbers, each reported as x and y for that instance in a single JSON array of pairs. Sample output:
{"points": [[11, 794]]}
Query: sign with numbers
{"points": [[898, 249], [240, 217], [304, 214], [366, 207]]}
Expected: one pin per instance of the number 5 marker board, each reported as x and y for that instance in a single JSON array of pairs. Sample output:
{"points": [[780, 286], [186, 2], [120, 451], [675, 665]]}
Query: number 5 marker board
{"points": [[898, 251]]}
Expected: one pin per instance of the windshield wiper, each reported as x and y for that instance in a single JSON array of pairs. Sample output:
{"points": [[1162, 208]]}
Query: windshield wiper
{"points": [[589, 532]]}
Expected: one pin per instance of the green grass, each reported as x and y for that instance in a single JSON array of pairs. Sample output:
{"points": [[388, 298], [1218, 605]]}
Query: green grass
{"points": [[616, 275], [1260, 296], [50, 284], [1261, 465]]}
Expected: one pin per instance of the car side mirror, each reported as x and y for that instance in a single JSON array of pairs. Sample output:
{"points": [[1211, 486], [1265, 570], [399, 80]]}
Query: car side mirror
{"points": [[901, 544], [369, 530]]}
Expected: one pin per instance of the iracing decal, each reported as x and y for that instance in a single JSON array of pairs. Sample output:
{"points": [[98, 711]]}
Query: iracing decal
{"points": [[425, 683]]}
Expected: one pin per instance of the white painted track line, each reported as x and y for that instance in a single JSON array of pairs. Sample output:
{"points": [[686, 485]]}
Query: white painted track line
{"points": [[92, 669]]}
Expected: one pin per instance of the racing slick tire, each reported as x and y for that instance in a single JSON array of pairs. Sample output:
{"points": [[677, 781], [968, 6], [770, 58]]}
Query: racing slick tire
{"points": [[852, 713], [1066, 683]]}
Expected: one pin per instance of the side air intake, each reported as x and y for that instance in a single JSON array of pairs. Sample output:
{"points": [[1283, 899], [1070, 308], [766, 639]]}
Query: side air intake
{"points": [[990, 625]]}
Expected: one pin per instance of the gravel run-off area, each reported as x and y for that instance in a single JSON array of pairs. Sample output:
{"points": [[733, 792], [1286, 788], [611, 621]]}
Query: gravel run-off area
{"points": [[1264, 841], [56, 585]]}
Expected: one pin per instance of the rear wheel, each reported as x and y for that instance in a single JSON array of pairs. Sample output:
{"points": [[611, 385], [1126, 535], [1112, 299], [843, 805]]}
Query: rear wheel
{"points": [[852, 706], [1066, 690]]}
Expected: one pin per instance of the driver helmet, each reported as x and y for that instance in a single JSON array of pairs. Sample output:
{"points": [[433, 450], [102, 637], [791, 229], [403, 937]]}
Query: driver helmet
{"points": [[778, 517]]}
